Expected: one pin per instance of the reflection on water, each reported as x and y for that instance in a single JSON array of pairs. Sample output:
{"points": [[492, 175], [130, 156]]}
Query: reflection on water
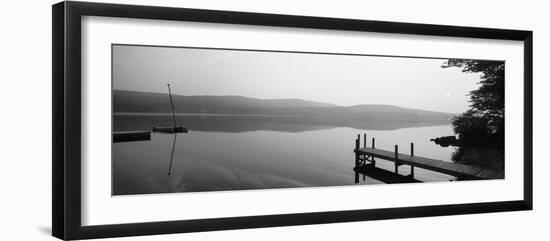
{"points": [[243, 123], [246, 153], [172, 153]]}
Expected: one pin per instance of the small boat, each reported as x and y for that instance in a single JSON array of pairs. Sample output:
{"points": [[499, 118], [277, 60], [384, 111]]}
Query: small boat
{"points": [[171, 129]]}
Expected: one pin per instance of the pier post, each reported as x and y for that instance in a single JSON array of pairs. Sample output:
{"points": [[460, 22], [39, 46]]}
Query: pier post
{"points": [[412, 154], [357, 151], [396, 160], [372, 157]]}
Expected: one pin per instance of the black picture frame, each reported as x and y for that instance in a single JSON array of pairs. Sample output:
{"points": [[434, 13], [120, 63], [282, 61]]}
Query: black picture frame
{"points": [[66, 128]]}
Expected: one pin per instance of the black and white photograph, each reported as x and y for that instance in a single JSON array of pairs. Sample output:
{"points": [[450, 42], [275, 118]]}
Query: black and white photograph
{"points": [[193, 119], [275, 120]]}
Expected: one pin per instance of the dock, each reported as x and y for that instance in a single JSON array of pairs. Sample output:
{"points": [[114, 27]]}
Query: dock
{"points": [[367, 155], [129, 136]]}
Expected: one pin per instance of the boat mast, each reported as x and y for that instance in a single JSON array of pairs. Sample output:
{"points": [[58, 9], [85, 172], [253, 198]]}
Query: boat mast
{"points": [[172, 105]]}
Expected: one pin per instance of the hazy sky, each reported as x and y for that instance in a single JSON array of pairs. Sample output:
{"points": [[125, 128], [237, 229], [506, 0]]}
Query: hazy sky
{"points": [[338, 79]]}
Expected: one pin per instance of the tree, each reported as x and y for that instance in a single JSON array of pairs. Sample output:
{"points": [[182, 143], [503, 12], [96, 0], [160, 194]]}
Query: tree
{"points": [[483, 123]]}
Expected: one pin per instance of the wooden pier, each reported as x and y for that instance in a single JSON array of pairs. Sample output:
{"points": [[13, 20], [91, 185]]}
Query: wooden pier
{"points": [[366, 156], [128, 136]]}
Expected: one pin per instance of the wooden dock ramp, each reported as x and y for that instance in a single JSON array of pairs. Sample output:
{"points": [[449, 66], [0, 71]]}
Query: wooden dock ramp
{"points": [[366, 155], [130, 136]]}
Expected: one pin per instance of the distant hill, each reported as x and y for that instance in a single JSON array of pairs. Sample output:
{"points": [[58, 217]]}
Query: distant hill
{"points": [[133, 101], [292, 110], [396, 109]]}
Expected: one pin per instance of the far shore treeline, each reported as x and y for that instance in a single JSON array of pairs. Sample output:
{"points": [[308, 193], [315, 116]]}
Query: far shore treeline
{"points": [[304, 111]]}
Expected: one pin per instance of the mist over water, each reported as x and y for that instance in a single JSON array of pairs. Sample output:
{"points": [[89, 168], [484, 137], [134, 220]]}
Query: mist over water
{"points": [[240, 153]]}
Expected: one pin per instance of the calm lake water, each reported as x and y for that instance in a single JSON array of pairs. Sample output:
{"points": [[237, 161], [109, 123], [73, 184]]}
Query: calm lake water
{"points": [[229, 153]]}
